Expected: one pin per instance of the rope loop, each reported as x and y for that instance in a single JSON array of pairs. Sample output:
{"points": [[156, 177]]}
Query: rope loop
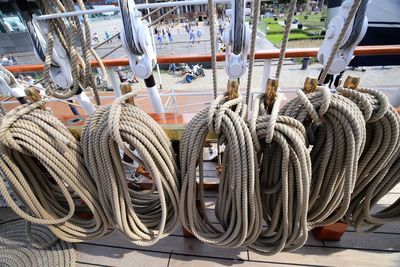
{"points": [[218, 109], [114, 120], [11, 118], [316, 116]]}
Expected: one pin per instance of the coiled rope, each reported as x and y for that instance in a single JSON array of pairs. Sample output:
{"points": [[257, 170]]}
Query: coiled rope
{"points": [[238, 207], [336, 130], [142, 216], [17, 250], [377, 164], [285, 172], [43, 163], [69, 31]]}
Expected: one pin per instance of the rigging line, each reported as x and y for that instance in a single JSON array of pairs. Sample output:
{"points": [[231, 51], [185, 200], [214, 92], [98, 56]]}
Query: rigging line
{"points": [[211, 10], [342, 34], [285, 40], [256, 15]]}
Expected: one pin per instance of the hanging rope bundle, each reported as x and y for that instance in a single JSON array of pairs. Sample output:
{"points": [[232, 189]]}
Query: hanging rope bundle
{"points": [[43, 163], [16, 248], [336, 130], [70, 31], [378, 161], [143, 216], [238, 208], [285, 171]]}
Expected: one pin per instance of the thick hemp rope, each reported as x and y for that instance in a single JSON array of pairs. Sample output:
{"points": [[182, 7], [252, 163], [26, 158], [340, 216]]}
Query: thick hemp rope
{"points": [[284, 167], [285, 173], [142, 216], [211, 10], [256, 15], [336, 130], [17, 250], [380, 153], [43, 163], [69, 31], [282, 53], [238, 208]]}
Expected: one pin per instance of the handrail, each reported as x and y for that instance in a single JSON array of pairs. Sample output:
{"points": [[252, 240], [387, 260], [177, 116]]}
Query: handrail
{"points": [[270, 54]]}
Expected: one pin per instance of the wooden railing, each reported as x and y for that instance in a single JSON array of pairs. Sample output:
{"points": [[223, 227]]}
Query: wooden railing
{"points": [[270, 54]]}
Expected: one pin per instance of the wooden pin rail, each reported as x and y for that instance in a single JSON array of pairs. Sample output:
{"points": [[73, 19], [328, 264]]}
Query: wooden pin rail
{"points": [[378, 50]]}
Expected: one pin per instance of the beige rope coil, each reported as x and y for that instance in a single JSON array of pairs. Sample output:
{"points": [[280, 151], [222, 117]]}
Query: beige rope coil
{"points": [[16, 249], [238, 208], [142, 216], [70, 32], [336, 131], [378, 160], [43, 163], [285, 173]]}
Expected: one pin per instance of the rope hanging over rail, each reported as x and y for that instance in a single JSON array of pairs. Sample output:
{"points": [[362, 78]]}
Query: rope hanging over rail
{"points": [[142, 216], [43, 163], [16, 248]]}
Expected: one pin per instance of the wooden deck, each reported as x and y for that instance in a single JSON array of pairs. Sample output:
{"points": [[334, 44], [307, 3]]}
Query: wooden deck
{"points": [[380, 248]]}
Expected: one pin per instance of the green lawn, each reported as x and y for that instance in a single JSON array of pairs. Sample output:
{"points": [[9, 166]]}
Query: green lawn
{"points": [[275, 30]]}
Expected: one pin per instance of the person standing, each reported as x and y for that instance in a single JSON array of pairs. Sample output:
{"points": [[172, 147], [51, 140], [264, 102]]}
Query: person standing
{"points": [[159, 39], [199, 34], [192, 37], [96, 37], [107, 36], [116, 32], [10, 60], [170, 36]]}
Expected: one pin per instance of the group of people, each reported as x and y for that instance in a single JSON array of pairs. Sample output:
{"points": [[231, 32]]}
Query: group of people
{"points": [[107, 36], [163, 36], [7, 60]]}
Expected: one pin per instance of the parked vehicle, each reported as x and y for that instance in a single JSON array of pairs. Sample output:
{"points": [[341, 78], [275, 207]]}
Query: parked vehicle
{"points": [[194, 72]]}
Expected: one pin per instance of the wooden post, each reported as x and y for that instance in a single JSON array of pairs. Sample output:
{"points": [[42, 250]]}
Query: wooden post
{"points": [[33, 94], [125, 89], [271, 91], [352, 82], [233, 89], [310, 85]]}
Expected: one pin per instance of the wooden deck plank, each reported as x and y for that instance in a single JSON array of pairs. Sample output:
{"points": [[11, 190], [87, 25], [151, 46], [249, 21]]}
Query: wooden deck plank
{"points": [[189, 261], [319, 256], [174, 244], [367, 241], [119, 256]]}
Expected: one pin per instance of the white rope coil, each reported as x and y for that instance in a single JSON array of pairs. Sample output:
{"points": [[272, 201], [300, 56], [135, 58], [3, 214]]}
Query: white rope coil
{"points": [[336, 131], [285, 174], [16, 249], [43, 163], [238, 207], [379, 161], [143, 216]]}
